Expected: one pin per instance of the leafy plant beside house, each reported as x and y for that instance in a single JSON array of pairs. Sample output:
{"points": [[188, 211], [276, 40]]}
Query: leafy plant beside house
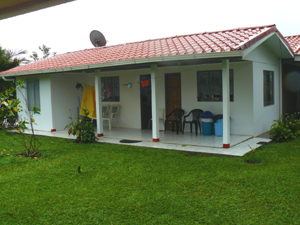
{"points": [[9, 120], [9, 108], [286, 129], [82, 128], [8, 60]]}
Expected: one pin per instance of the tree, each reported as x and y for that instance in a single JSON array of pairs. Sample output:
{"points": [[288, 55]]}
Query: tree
{"points": [[45, 51], [10, 59]]}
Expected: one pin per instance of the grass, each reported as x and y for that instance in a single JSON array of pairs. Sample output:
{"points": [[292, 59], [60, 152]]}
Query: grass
{"points": [[132, 185]]}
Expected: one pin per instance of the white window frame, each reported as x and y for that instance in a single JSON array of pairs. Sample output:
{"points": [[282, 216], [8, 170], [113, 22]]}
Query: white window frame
{"points": [[269, 98]]}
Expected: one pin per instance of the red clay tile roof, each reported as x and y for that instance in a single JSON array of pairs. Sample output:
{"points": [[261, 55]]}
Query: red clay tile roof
{"points": [[294, 42], [207, 42]]}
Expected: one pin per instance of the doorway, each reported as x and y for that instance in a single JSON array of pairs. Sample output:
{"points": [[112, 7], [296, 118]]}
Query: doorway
{"points": [[146, 109], [173, 93]]}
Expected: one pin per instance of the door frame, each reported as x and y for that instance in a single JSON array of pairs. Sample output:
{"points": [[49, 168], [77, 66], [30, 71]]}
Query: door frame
{"points": [[140, 77], [166, 91]]}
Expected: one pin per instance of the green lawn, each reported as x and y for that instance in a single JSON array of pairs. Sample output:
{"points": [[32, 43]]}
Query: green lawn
{"points": [[133, 185]]}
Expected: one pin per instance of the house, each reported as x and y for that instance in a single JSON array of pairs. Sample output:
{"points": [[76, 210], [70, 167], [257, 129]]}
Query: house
{"points": [[236, 72], [291, 78]]}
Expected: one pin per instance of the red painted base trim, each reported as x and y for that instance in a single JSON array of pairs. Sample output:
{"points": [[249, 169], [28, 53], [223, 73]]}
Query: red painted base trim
{"points": [[99, 135], [226, 145], [155, 139], [52, 130]]}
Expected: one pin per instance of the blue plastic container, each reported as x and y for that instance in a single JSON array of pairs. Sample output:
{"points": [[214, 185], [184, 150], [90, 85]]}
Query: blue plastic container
{"points": [[207, 126], [207, 123], [219, 127], [207, 114]]}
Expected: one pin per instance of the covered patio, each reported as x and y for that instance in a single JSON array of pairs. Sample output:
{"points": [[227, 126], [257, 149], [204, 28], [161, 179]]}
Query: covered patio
{"points": [[211, 144]]}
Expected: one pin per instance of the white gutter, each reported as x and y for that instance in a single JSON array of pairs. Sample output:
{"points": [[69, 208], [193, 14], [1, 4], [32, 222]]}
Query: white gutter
{"points": [[6, 79], [211, 55]]}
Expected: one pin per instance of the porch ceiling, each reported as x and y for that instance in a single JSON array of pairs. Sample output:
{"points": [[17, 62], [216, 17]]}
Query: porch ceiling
{"points": [[293, 62], [18, 7]]}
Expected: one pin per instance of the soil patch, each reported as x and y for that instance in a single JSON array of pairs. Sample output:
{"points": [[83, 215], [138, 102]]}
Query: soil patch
{"points": [[252, 161]]}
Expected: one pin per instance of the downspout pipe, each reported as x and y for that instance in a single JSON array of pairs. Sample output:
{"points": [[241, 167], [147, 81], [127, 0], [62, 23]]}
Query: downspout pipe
{"points": [[7, 79]]}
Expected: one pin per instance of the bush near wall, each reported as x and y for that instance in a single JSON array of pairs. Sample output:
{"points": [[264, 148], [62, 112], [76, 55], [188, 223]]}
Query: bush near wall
{"points": [[286, 129]]}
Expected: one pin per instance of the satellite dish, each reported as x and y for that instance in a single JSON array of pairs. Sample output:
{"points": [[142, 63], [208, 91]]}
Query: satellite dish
{"points": [[97, 38]]}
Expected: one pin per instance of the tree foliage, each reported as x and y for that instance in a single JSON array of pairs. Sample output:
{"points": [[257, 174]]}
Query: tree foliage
{"points": [[10, 58], [10, 120], [45, 51]]}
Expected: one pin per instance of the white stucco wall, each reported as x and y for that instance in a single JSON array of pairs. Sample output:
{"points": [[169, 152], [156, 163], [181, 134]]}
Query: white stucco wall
{"points": [[65, 96], [130, 106], [44, 119], [264, 59], [241, 108]]}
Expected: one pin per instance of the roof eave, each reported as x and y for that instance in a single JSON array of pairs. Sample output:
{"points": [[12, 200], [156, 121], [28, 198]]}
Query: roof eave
{"points": [[297, 58], [16, 8], [249, 49], [211, 55]]}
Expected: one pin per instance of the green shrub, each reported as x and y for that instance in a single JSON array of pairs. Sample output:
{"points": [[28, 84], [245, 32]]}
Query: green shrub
{"points": [[82, 128], [9, 120], [286, 129], [9, 108]]}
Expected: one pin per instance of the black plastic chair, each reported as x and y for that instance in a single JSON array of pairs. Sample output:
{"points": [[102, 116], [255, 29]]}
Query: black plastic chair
{"points": [[178, 113], [196, 115]]}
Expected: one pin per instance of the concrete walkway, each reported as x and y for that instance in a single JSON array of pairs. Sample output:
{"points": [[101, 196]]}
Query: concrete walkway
{"points": [[211, 144]]}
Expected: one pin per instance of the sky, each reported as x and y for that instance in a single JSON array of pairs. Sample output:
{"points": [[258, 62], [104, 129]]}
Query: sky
{"points": [[66, 27]]}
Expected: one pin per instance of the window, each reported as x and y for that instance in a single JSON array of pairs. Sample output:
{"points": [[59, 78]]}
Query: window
{"points": [[33, 94], [268, 88], [110, 89], [209, 86]]}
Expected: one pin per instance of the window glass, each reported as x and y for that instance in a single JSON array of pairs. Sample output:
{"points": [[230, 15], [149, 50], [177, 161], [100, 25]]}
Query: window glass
{"points": [[110, 89], [33, 94], [268, 88], [209, 85]]}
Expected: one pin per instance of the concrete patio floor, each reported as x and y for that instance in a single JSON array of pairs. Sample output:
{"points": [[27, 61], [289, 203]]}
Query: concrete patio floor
{"points": [[211, 144]]}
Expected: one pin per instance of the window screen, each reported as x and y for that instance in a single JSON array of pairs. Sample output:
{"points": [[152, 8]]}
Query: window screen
{"points": [[210, 85], [110, 89], [268, 88]]}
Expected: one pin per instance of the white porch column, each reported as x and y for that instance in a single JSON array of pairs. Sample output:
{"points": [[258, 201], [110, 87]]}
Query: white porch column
{"points": [[98, 103], [226, 103], [280, 87], [155, 119]]}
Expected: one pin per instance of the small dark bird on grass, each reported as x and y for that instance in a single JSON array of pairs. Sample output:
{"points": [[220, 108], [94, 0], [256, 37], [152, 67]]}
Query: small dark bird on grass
{"points": [[79, 169]]}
